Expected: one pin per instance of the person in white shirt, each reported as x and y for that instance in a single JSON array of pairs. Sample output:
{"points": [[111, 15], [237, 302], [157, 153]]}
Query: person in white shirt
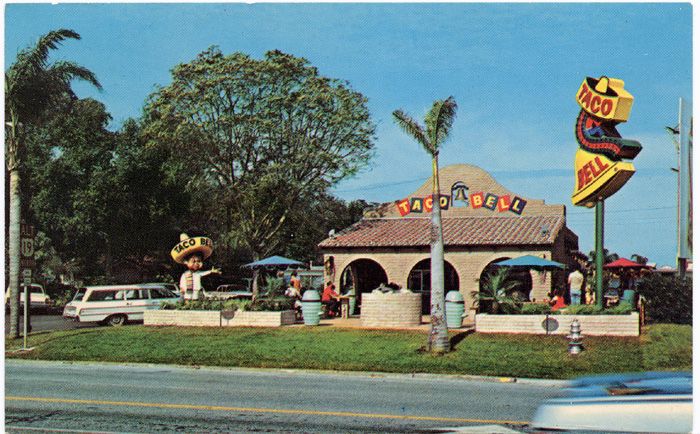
{"points": [[575, 284]]}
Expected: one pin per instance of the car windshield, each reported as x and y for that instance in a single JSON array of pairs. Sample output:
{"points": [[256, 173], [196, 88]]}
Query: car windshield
{"points": [[80, 294], [36, 290]]}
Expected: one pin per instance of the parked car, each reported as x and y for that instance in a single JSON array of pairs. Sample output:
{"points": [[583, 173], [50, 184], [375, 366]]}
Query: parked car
{"points": [[37, 297], [229, 291], [639, 402], [116, 304]]}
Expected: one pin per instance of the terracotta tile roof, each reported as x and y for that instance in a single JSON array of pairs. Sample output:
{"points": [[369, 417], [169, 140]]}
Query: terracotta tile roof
{"points": [[464, 231]]}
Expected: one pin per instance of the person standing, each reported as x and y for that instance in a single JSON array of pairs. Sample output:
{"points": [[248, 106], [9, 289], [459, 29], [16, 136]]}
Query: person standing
{"points": [[575, 283]]}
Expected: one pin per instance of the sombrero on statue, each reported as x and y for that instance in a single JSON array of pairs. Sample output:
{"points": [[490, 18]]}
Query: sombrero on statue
{"points": [[189, 245]]}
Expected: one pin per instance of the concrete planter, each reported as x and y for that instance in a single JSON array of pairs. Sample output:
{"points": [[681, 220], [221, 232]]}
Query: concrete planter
{"points": [[391, 310], [212, 318], [591, 325]]}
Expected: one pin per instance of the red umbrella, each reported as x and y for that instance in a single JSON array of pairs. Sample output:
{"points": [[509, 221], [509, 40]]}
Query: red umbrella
{"points": [[624, 263]]}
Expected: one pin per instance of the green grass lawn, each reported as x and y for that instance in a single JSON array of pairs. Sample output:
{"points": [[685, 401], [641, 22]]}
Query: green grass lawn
{"points": [[661, 347]]}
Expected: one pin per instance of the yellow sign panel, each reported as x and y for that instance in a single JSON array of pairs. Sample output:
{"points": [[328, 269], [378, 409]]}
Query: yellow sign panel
{"points": [[598, 177], [605, 98]]}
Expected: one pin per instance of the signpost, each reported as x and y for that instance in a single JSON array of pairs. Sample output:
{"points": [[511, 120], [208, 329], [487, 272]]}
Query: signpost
{"points": [[600, 171], [27, 264]]}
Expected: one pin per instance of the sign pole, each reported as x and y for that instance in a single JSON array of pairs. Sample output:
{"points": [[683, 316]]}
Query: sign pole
{"points": [[599, 251], [26, 315]]}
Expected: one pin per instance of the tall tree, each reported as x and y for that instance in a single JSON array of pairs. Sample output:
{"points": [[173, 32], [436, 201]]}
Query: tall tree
{"points": [[31, 85], [438, 123], [255, 138], [102, 197]]}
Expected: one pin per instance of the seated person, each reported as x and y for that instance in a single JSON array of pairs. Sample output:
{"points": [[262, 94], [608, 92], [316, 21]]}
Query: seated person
{"points": [[331, 299], [558, 302]]}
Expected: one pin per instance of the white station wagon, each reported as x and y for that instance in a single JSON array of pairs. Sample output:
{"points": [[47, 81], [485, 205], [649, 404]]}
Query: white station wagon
{"points": [[117, 304]]}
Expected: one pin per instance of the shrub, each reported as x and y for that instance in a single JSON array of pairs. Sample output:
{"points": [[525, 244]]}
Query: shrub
{"points": [[581, 309], [667, 299], [535, 309], [274, 304], [621, 309], [207, 304], [592, 309]]}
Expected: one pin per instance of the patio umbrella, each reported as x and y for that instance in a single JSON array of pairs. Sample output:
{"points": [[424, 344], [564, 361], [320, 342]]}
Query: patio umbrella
{"points": [[275, 262], [531, 262], [624, 263]]}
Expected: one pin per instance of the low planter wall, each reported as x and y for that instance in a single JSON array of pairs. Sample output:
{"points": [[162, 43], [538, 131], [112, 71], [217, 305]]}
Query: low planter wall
{"points": [[391, 310], [591, 325], [212, 318]]}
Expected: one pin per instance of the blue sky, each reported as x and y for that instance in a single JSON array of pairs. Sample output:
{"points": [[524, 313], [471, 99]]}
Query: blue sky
{"points": [[513, 68]]}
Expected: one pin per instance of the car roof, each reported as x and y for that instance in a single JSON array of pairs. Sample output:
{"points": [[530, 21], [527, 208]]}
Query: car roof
{"points": [[132, 286]]}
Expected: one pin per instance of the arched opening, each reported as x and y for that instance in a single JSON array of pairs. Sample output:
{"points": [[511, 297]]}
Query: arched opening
{"points": [[521, 277], [362, 275], [419, 281]]}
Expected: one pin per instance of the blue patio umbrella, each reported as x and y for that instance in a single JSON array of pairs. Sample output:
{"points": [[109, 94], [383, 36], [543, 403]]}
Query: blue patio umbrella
{"points": [[531, 262], [275, 262]]}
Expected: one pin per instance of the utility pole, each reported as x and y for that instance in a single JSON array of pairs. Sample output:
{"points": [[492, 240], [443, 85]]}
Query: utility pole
{"points": [[684, 194]]}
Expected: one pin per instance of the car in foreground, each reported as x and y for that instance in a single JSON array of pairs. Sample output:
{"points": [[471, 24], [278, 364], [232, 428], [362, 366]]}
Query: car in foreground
{"points": [[117, 304], [646, 402], [37, 297]]}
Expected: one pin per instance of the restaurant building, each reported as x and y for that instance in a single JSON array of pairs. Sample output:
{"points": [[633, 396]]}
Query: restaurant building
{"points": [[483, 223]]}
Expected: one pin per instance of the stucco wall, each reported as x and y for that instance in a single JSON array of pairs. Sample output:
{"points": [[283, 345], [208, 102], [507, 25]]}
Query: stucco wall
{"points": [[591, 325], [468, 264]]}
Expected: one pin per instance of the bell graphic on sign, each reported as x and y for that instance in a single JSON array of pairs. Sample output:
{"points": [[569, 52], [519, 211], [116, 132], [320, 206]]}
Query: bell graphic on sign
{"points": [[460, 192]]}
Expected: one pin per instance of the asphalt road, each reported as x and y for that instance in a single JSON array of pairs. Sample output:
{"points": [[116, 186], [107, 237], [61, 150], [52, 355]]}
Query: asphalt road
{"points": [[45, 322], [138, 398]]}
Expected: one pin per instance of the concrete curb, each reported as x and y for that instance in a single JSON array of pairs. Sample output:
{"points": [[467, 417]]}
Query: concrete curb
{"points": [[367, 374]]}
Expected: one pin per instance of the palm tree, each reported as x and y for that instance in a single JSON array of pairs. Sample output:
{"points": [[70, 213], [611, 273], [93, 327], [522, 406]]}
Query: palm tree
{"points": [[607, 257], [498, 292], [639, 259], [438, 123], [32, 85]]}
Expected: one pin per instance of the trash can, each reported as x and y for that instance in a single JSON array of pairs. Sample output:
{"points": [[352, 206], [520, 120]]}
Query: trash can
{"points": [[628, 296], [454, 309], [311, 307]]}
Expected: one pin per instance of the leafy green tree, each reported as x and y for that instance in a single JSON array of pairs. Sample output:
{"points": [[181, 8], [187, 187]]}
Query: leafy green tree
{"points": [[326, 213], [103, 197], [667, 299], [31, 86], [254, 139], [438, 123]]}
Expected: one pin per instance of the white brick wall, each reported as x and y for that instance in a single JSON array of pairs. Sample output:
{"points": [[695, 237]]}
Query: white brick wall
{"points": [[391, 310], [591, 325], [203, 318]]}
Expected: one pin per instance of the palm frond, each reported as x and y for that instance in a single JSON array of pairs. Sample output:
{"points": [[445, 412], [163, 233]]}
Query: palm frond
{"points": [[413, 129], [439, 120], [34, 59], [67, 71]]}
